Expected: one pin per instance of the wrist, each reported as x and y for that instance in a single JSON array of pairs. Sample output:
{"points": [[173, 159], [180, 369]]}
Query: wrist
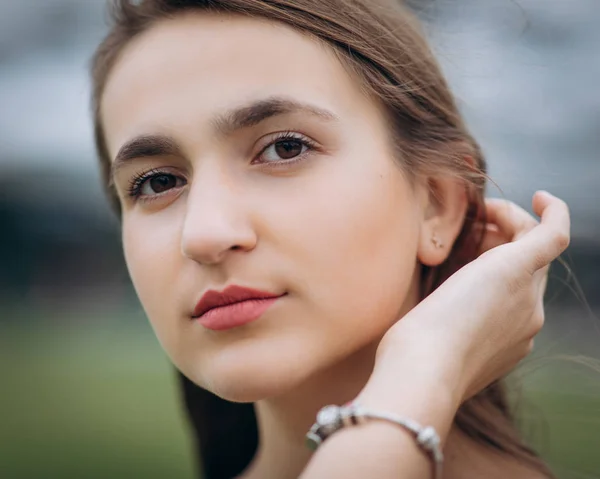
{"points": [[410, 391], [409, 382], [427, 403], [422, 359]]}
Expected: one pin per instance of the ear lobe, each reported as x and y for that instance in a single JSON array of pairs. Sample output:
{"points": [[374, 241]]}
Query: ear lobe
{"points": [[443, 217], [433, 250]]}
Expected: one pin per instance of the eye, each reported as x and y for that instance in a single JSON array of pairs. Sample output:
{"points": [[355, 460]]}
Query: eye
{"points": [[158, 184], [284, 150], [154, 183], [287, 147]]}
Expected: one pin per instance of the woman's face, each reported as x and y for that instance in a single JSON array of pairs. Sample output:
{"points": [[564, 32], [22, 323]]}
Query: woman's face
{"points": [[245, 154]]}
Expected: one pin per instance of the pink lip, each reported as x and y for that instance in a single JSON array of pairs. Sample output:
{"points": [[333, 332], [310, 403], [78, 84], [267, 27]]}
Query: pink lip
{"points": [[232, 307]]}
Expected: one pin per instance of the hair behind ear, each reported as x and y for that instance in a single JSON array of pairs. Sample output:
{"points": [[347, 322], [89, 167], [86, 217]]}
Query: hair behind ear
{"points": [[225, 433]]}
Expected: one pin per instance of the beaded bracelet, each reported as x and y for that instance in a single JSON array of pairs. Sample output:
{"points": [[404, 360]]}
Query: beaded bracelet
{"points": [[333, 418]]}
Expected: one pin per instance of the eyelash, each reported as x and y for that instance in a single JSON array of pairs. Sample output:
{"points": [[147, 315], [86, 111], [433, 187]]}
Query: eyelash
{"points": [[139, 180], [286, 136]]}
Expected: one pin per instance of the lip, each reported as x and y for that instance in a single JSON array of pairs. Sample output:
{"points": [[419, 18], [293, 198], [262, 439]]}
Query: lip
{"points": [[232, 307]]}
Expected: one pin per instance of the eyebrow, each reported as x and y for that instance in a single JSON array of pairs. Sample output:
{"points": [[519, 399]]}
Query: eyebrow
{"points": [[227, 123], [144, 146], [259, 111]]}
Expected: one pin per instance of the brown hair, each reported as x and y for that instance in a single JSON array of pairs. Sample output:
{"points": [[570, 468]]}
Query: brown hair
{"points": [[380, 43]]}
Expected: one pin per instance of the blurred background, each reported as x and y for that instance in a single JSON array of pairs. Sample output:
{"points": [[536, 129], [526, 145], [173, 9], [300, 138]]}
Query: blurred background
{"points": [[85, 388]]}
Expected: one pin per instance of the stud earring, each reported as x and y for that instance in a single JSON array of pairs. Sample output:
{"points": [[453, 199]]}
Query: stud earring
{"points": [[436, 241]]}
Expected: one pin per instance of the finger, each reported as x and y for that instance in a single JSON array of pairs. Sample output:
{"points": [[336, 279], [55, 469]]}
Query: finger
{"points": [[544, 243], [492, 237], [513, 220], [540, 278]]}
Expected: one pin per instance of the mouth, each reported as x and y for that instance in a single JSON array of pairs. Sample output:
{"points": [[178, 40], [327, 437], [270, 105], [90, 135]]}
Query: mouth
{"points": [[234, 306]]}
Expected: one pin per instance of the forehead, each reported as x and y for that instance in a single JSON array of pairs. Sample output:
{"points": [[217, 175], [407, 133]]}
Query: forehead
{"points": [[190, 67]]}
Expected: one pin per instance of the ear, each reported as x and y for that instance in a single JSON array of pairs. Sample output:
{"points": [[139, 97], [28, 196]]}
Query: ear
{"points": [[445, 204]]}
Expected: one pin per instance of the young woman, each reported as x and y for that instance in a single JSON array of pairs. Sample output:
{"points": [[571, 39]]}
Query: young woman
{"points": [[295, 183]]}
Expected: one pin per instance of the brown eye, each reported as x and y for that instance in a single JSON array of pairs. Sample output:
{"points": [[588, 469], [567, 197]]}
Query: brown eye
{"points": [[287, 149], [284, 149], [159, 184]]}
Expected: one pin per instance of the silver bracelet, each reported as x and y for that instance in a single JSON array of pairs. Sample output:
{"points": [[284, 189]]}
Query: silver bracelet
{"points": [[333, 418]]}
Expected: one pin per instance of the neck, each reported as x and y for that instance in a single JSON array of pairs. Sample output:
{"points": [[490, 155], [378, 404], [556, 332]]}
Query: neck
{"points": [[284, 421]]}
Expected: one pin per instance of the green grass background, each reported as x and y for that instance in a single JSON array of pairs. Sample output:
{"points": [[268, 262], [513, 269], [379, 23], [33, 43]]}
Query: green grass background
{"points": [[100, 401]]}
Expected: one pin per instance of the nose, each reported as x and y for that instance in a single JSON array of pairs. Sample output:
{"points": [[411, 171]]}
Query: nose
{"points": [[216, 224]]}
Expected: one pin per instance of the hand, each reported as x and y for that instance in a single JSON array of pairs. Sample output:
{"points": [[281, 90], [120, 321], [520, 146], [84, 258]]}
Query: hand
{"points": [[481, 322]]}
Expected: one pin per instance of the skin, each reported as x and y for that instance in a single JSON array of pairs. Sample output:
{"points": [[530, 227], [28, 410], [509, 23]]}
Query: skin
{"points": [[341, 231]]}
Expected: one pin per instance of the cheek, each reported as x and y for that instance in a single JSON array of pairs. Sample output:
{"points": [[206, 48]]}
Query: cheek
{"points": [[354, 244], [371, 261], [151, 255]]}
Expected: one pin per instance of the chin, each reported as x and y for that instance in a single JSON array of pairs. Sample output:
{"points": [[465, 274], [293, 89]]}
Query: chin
{"points": [[249, 374], [247, 391]]}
